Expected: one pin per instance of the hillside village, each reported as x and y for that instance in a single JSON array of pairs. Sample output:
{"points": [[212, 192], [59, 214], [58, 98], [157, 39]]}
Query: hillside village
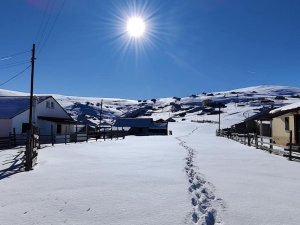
{"points": [[125, 139], [68, 115]]}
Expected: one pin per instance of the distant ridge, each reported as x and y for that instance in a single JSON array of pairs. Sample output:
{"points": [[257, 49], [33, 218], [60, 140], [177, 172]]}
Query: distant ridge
{"points": [[240, 104]]}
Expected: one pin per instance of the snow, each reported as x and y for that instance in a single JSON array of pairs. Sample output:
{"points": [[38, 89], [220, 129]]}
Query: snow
{"points": [[130, 182], [295, 105], [192, 177], [256, 187], [4, 92], [241, 104]]}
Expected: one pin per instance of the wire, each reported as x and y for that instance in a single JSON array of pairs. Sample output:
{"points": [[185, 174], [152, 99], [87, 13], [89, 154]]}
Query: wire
{"points": [[51, 29], [15, 76], [5, 66], [12, 55], [42, 21], [45, 27]]}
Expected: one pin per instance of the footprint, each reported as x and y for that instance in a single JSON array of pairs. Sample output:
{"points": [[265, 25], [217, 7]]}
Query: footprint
{"points": [[195, 217], [194, 202]]}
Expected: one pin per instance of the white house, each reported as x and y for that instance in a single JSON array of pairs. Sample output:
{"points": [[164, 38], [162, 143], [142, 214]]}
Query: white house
{"points": [[48, 116]]}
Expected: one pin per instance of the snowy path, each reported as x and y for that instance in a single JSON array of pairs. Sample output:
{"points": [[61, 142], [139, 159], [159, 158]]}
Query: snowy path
{"points": [[205, 204], [256, 187]]}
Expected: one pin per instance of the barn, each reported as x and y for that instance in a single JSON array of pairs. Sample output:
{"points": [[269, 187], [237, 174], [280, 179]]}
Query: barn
{"points": [[142, 126], [48, 116]]}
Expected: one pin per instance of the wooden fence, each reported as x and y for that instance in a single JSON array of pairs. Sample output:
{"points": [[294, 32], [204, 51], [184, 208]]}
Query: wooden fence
{"points": [[14, 140], [291, 150]]}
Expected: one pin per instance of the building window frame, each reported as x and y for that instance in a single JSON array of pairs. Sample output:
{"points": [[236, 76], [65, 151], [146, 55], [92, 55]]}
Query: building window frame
{"points": [[25, 127], [287, 123], [58, 129]]}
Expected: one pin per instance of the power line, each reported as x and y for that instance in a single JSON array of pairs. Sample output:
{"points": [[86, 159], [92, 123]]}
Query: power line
{"points": [[7, 57], [44, 28], [15, 76], [52, 27], [42, 21], [5, 66]]}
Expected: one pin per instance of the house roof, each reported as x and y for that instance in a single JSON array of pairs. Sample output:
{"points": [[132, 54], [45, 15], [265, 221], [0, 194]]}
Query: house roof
{"points": [[11, 106], [286, 109], [263, 115], [136, 122], [277, 112], [159, 126]]}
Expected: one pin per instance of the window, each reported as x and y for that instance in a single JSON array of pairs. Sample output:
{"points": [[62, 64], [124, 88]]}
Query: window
{"points": [[47, 104], [25, 127], [58, 129], [287, 123], [52, 105]]}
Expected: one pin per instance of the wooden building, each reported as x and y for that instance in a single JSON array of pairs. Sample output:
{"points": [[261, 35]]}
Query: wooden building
{"points": [[142, 126]]}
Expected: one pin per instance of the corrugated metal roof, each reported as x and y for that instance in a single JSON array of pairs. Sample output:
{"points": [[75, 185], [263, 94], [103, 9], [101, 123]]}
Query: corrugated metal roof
{"points": [[159, 126], [11, 106], [136, 122]]}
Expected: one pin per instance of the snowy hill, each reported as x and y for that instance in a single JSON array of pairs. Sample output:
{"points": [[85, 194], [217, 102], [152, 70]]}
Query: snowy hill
{"points": [[238, 105]]}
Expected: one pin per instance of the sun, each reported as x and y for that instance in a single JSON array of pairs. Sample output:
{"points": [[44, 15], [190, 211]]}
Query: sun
{"points": [[136, 27]]}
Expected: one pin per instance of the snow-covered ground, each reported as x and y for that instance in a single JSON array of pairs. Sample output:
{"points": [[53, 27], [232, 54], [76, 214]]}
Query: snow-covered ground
{"points": [[192, 177]]}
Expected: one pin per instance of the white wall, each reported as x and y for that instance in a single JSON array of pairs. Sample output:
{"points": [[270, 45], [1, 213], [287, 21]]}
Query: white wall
{"points": [[5, 127], [18, 120], [41, 110], [56, 111]]}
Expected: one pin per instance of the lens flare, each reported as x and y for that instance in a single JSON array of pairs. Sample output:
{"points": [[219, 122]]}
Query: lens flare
{"points": [[136, 27]]}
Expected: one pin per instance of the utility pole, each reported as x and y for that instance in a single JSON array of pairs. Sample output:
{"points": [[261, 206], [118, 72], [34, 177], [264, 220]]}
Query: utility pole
{"points": [[31, 86], [219, 117], [101, 113], [29, 147]]}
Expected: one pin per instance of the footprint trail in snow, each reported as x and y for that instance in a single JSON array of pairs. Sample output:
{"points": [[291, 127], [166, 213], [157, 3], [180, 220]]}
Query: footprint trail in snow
{"points": [[204, 202]]}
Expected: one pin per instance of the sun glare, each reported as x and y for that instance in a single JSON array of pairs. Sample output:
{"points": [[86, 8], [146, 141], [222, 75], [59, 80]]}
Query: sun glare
{"points": [[136, 27]]}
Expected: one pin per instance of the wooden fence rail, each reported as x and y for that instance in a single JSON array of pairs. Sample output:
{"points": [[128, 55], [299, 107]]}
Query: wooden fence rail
{"points": [[291, 151], [14, 140]]}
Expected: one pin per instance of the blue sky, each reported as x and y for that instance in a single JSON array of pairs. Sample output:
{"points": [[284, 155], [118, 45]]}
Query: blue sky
{"points": [[189, 46]]}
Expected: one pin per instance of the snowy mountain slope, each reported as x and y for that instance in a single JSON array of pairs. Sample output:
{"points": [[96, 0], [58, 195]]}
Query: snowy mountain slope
{"points": [[12, 93], [238, 105]]}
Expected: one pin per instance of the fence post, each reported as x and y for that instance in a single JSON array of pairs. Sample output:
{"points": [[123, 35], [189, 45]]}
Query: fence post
{"points": [[256, 140], [65, 137], [14, 137], [76, 133], [9, 140], [39, 133], [123, 133], [86, 133], [111, 133], [104, 133], [249, 140], [291, 143], [271, 144], [52, 135], [96, 134]]}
